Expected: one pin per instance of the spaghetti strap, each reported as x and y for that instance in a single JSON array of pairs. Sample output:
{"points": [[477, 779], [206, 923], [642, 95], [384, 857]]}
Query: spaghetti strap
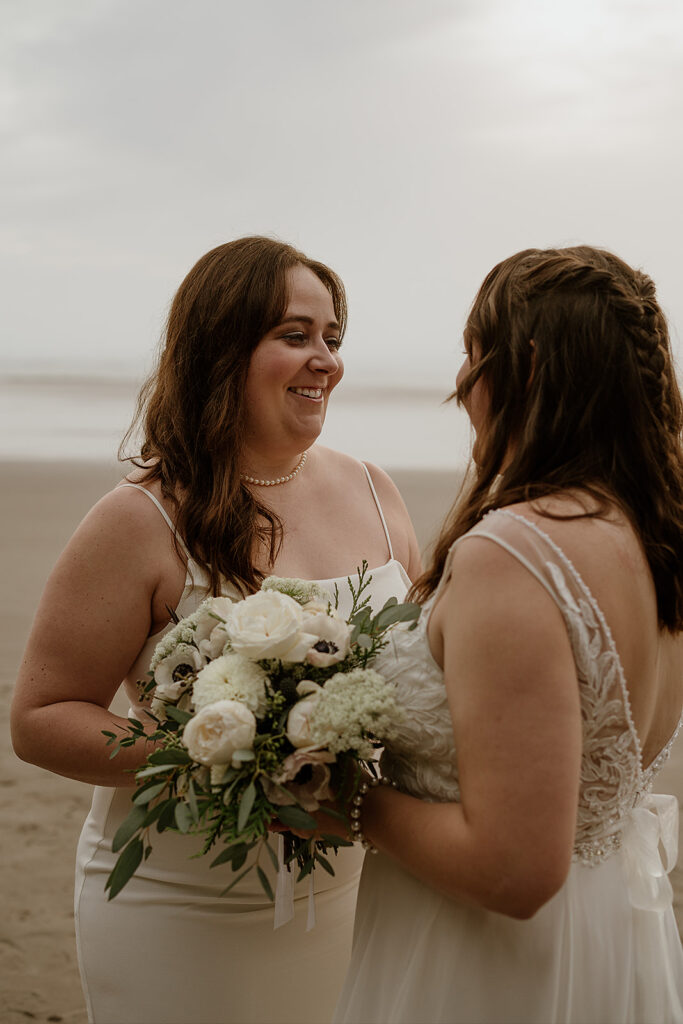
{"points": [[379, 509], [171, 524]]}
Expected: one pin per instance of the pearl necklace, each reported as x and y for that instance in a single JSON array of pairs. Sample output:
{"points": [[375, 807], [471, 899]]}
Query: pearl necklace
{"points": [[279, 480]]}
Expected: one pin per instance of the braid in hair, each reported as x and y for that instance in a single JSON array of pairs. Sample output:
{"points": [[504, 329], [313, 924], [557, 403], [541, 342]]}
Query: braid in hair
{"points": [[572, 352]]}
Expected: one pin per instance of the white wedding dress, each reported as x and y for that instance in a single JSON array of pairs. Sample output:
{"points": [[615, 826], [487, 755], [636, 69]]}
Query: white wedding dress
{"points": [[605, 949], [169, 949]]}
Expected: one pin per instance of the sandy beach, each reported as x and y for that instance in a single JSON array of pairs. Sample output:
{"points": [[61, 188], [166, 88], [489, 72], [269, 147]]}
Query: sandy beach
{"points": [[43, 813]]}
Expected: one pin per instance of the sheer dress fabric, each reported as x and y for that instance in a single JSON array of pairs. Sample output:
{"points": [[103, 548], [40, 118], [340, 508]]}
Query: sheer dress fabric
{"points": [[605, 949], [169, 949]]}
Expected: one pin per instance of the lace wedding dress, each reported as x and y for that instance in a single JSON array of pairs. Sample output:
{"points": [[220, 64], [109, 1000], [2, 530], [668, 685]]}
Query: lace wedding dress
{"points": [[605, 949]]}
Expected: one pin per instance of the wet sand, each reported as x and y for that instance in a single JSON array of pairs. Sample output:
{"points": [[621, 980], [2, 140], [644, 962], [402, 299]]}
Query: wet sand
{"points": [[42, 813]]}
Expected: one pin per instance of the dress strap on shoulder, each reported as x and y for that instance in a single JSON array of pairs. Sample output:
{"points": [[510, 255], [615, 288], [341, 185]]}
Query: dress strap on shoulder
{"points": [[171, 524], [379, 509]]}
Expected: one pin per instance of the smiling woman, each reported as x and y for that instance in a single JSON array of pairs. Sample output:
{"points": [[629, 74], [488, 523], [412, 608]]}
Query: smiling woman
{"points": [[229, 485]]}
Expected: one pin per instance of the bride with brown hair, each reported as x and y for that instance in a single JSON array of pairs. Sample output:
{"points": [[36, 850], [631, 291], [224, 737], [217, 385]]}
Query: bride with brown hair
{"points": [[521, 861], [229, 487]]}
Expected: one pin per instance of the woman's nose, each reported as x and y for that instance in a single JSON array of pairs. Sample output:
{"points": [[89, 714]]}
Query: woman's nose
{"points": [[323, 359]]}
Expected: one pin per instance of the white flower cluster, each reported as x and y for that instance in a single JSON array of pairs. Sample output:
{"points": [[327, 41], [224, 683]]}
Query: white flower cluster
{"points": [[231, 677], [350, 706], [182, 633], [302, 591], [197, 628]]}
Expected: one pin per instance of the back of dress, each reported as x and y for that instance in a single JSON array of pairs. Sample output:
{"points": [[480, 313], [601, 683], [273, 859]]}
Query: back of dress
{"points": [[605, 948]]}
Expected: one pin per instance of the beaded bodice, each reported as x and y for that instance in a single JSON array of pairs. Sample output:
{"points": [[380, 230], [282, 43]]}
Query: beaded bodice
{"points": [[423, 759]]}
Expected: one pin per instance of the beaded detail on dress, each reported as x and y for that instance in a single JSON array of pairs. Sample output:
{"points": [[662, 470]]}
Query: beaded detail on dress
{"points": [[423, 759]]}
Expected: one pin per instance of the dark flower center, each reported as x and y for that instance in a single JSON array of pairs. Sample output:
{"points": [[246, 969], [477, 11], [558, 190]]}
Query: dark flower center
{"points": [[182, 673], [325, 647]]}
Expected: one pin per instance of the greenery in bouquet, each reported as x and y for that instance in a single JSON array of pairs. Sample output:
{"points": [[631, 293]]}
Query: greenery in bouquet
{"points": [[262, 709]]}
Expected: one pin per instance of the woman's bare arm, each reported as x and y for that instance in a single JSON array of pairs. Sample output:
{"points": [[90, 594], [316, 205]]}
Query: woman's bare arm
{"points": [[514, 700], [94, 617]]}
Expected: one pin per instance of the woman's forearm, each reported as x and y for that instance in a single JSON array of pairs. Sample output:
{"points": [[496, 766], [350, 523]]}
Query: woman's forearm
{"points": [[477, 865], [66, 738]]}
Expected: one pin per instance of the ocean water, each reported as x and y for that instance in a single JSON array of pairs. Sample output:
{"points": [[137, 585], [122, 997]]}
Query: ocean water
{"points": [[51, 417]]}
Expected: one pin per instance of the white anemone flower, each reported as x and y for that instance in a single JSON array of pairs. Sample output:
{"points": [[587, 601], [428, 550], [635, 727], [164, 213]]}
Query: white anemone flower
{"points": [[174, 673], [333, 635]]}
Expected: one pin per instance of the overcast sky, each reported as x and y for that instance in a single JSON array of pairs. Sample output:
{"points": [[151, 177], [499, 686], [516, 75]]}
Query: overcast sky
{"points": [[411, 144]]}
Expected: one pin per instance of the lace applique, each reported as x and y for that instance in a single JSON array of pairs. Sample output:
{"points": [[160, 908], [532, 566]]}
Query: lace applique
{"points": [[423, 758]]}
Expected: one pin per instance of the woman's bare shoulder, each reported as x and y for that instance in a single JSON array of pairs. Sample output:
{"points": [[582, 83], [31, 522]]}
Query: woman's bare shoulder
{"points": [[125, 516], [586, 531]]}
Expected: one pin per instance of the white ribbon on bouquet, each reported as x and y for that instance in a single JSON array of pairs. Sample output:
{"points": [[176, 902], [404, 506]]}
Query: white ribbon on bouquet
{"points": [[284, 891]]}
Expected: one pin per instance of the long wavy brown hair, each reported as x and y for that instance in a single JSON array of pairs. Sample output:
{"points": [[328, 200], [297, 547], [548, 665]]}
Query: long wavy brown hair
{"points": [[572, 350], [190, 412]]}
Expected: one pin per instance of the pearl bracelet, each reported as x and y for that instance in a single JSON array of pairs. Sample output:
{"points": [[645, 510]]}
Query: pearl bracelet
{"points": [[357, 802]]}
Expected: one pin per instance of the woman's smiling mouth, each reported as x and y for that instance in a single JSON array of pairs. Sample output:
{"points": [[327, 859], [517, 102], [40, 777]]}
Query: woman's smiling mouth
{"points": [[314, 394]]}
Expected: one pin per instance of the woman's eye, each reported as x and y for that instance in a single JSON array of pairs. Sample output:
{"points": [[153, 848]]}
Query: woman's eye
{"points": [[297, 337], [333, 343]]}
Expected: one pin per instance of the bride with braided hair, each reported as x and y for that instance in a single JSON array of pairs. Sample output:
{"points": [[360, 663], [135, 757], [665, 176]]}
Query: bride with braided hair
{"points": [[521, 858]]}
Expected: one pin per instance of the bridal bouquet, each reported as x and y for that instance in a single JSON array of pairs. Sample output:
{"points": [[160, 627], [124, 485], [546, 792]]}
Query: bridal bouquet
{"points": [[262, 707]]}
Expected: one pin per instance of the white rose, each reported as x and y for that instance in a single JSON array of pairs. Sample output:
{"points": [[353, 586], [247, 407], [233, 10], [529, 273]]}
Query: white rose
{"points": [[173, 674], [298, 727], [269, 625], [218, 730], [332, 635]]}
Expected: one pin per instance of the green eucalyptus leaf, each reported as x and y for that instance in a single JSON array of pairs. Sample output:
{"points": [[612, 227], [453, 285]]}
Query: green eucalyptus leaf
{"points": [[125, 867], [246, 804], [396, 613], [335, 841], [296, 817], [306, 869], [174, 755], [324, 862], [128, 828], [155, 769], [192, 801], [153, 813], [167, 816], [232, 852], [147, 793], [263, 879], [240, 856], [176, 715]]}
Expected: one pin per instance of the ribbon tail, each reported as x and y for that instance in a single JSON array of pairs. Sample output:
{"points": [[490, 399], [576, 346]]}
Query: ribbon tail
{"points": [[284, 888]]}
